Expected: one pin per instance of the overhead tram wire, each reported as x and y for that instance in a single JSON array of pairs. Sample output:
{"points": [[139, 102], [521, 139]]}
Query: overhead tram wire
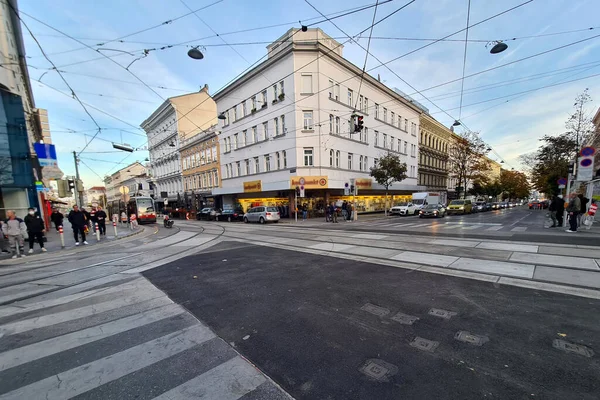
{"points": [[462, 82]]}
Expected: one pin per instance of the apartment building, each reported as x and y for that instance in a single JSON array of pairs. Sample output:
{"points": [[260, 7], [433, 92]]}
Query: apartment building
{"points": [[434, 141], [124, 177], [288, 122]]}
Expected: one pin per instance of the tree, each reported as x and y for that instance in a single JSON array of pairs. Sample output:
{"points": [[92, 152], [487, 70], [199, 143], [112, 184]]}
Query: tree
{"points": [[388, 170], [514, 184], [580, 124], [467, 161]]}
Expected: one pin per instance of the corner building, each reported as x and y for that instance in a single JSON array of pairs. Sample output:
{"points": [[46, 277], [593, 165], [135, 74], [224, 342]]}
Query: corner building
{"points": [[287, 123]]}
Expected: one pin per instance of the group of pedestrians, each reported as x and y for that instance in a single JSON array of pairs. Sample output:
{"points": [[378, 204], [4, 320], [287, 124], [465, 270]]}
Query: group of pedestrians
{"points": [[332, 211], [576, 208], [14, 229]]}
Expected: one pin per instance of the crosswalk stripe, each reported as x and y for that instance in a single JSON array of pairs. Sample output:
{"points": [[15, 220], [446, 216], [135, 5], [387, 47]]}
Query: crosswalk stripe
{"points": [[86, 377], [473, 227], [519, 229], [228, 381], [35, 351], [448, 227], [494, 228], [52, 319]]}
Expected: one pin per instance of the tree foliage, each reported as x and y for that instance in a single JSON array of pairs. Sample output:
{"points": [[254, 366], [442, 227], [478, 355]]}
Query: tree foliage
{"points": [[514, 184], [467, 159], [389, 170]]}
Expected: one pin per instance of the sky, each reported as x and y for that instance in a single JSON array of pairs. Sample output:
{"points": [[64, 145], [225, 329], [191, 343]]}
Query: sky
{"points": [[511, 106]]}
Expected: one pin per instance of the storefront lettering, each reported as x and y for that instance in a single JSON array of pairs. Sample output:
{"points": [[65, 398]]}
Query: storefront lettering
{"points": [[252, 186], [364, 183], [309, 182]]}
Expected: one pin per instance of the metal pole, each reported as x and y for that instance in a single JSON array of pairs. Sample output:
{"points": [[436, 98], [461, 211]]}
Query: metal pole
{"points": [[115, 228], [97, 232], [78, 195], [62, 237], [296, 206]]}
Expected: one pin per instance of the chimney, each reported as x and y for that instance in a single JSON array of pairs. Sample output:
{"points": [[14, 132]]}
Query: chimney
{"points": [[204, 88]]}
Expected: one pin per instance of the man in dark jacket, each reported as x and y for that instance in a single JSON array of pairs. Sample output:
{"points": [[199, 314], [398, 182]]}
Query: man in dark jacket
{"points": [[78, 221], [573, 209], [560, 209], [553, 208], [57, 217], [92, 217], [101, 218], [35, 229]]}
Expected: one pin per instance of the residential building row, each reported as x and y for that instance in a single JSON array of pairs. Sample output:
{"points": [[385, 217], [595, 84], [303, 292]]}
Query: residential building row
{"points": [[290, 122]]}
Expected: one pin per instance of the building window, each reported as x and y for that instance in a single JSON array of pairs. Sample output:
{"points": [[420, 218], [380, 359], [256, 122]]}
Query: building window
{"points": [[413, 129], [283, 125], [276, 121], [399, 121], [266, 130], [330, 89], [331, 119], [278, 158], [376, 138], [308, 119], [256, 165], [267, 162], [405, 147], [337, 125], [399, 145], [366, 105], [392, 118], [284, 155], [281, 91], [350, 160], [376, 110], [384, 114], [350, 97], [413, 150], [392, 143], [254, 134], [275, 92], [331, 155], [364, 135], [360, 102], [253, 101], [248, 172], [365, 164], [238, 169], [306, 83], [244, 109], [336, 92], [235, 141], [226, 117], [405, 125], [308, 157], [264, 98], [337, 158], [235, 116], [360, 163], [385, 140], [245, 140]]}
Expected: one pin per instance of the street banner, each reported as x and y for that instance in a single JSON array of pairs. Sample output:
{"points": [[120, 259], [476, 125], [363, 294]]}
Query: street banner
{"points": [[46, 154]]}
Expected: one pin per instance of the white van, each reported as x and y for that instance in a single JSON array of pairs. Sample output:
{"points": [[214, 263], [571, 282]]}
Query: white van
{"points": [[421, 199]]}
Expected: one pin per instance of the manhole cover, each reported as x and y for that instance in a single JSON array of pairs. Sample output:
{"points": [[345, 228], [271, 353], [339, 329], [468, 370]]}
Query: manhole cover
{"points": [[438, 312], [373, 309], [467, 337], [404, 318], [378, 369], [572, 348], [424, 344]]}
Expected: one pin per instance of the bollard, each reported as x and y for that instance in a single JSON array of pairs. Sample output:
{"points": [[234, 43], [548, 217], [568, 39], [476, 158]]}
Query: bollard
{"points": [[62, 237], [115, 227], [97, 231]]}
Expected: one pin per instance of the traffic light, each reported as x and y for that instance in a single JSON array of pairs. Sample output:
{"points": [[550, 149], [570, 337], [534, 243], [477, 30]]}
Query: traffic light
{"points": [[298, 191], [352, 188], [63, 188], [360, 125], [571, 169], [79, 185], [71, 184]]}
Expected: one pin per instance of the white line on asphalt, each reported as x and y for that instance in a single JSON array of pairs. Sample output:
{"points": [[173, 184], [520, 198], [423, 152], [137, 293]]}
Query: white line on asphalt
{"points": [[228, 381], [470, 228], [495, 228], [448, 227], [134, 296], [521, 219], [470, 223], [519, 229], [89, 376], [45, 348]]}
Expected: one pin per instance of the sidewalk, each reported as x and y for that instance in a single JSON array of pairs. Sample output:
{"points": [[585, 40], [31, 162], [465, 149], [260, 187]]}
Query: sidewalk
{"points": [[54, 245]]}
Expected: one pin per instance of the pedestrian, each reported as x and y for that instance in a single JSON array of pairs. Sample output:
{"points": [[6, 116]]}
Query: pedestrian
{"points": [[78, 221], [573, 209], [560, 209], [101, 218], [345, 210], [14, 228], [35, 229], [350, 210], [124, 217], [88, 218], [334, 213], [584, 201], [93, 218], [304, 212], [553, 207], [57, 217]]}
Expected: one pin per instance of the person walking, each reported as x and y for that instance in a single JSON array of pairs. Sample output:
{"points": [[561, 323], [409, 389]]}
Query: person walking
{"points": [[584, 201], [553, 208], [78, 221], [304, 212], [560, 209], [93, 218], [334, 213], [345, 210], [101, 218], [57, 218], [573, 209], [13, 228], [35, 229]]}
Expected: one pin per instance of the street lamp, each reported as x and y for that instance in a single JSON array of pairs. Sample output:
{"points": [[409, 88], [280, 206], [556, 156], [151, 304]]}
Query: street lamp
{"points": [[499, 47], [456, 123], [222, 116], [172, 144], [195, 53]]}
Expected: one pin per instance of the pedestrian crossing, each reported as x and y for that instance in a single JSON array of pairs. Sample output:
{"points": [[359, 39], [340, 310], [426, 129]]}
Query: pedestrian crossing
{"points": [[435, 225], [123, 338]]}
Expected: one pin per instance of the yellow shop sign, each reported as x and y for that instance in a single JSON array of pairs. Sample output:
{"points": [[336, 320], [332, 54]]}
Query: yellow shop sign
{"points": [[252, 186], [309, 182]]}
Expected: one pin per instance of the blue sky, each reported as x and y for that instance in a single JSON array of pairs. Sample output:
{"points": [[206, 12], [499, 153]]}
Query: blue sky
{"points": [[511, 124]]}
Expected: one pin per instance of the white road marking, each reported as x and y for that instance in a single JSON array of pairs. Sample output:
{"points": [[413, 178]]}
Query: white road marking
{"points": [[519, 229], [494, 228]]}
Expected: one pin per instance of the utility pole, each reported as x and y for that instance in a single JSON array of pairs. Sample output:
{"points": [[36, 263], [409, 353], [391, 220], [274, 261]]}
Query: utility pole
{"points": [[78, 195]]}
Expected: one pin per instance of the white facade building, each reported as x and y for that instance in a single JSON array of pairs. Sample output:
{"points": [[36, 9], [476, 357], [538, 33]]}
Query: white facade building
{"points": [[288, 123], [123, 178]]}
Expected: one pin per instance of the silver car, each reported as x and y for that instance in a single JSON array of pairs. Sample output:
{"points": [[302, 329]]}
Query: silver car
{"points": [[262, 214]]}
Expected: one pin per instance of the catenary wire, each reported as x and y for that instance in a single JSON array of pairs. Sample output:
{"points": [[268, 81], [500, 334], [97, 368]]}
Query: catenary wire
{"points": [[462, 82]]}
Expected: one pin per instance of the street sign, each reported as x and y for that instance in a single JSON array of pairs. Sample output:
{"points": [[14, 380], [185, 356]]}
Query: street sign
{"points": [[346, 189], [562, 181], [166, 201], [302, 189], [588, 151], [585, 169], [302, 181], [561, 186], [123, 190]]}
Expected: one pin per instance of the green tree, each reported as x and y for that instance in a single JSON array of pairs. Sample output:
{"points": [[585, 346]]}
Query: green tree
{"points": [[467, 159], [388, 170], [514, 184]]}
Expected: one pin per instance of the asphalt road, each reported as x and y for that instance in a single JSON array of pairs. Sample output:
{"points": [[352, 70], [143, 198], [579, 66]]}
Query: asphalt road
{"points": [[329, 328]]}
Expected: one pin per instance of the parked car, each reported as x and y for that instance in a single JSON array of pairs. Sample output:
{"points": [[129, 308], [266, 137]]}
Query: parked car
{"points": [[460, 207], [480, 206], [496, 206], [231, 214], [404, 208], [208, 214], [433, 210], [262, 214]]}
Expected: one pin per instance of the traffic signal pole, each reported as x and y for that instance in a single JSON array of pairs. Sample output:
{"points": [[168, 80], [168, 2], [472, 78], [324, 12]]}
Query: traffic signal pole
{"points": [[77, 194]]}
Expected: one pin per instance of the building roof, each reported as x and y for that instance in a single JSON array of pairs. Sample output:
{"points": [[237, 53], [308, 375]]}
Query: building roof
{"points": [[98, 188]]}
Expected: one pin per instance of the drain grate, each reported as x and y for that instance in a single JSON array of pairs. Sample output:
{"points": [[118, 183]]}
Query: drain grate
{"points": [[572, 348], [405, 318], [467, 337], [373, 309], [438, 312], [378, 369], [424, 344]]}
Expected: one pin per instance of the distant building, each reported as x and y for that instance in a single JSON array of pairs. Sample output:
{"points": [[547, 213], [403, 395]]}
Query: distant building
{"points": [[95, 194], [434, 142], [127, 176], [178, 119]]}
